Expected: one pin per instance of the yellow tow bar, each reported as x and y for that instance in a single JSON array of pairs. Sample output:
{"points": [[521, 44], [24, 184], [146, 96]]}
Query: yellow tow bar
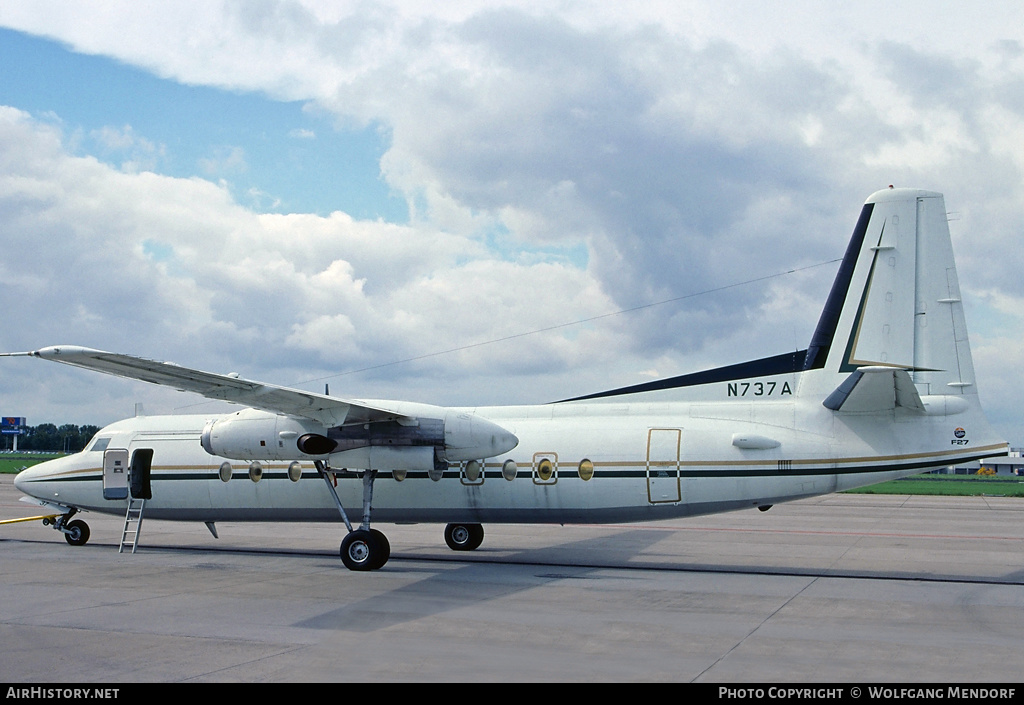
{"points": [[15, 521]]}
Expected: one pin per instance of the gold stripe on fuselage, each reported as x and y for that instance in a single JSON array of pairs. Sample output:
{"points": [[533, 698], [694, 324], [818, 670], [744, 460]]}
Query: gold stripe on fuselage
{"points": [[940, 458]]}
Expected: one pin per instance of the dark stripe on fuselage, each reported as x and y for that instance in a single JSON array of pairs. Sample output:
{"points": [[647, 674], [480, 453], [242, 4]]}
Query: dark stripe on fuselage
{"points": [[786, 363]]}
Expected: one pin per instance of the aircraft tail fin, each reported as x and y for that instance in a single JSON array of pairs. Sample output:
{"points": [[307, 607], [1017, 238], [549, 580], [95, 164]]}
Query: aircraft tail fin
{"points": [[895, 302], [894, 306]]}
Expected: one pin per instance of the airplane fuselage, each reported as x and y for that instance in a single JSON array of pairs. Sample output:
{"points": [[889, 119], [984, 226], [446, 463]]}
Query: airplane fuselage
{"points": [[576, 462]]}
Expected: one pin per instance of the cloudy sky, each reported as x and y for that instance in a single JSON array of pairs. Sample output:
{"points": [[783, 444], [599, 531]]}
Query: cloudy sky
{"points": [[447, 203]]}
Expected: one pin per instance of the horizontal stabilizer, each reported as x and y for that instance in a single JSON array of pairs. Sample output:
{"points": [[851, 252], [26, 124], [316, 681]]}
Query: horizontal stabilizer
{"points": [[875, 389]]}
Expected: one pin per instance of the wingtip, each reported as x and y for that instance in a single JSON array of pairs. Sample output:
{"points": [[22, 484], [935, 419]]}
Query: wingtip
{"points": [[54, 351]]}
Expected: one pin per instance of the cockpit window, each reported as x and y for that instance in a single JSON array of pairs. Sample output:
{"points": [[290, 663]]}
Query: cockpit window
{"points": [[98, 445]]}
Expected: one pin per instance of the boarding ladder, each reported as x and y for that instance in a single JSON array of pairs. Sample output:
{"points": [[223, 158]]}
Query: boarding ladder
{"points": [[132, 524]]}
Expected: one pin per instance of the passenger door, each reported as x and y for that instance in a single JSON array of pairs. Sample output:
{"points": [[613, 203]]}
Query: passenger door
{"points": [[115, 473]]}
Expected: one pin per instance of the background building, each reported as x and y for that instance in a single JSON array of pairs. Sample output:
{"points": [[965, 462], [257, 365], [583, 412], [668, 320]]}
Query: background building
{"points": [[1012, 464]]}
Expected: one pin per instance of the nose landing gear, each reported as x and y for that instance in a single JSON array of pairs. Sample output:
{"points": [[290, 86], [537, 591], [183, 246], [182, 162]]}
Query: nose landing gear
{"points": [[75, 532]]}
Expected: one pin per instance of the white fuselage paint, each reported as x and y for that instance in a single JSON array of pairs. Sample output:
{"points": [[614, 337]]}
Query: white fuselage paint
{"points": [[637, 476]]}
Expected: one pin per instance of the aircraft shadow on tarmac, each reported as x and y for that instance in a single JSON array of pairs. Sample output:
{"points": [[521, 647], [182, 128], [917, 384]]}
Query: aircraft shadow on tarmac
{"points": [[586, 558], [380, 611]]}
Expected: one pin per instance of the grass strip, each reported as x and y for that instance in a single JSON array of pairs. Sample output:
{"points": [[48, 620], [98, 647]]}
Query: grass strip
{"points": [[950, 485]]}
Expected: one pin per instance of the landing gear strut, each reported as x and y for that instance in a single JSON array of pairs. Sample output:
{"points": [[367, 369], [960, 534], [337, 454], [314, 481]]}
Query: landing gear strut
{"points": [[368, 549], [363, 548]]}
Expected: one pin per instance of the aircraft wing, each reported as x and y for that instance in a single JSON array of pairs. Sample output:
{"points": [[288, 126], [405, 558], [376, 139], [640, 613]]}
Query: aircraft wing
{"points": [[331, 411]]}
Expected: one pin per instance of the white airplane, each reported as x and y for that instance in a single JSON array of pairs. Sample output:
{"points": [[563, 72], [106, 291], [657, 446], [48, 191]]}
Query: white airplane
{"points": [[885, 389]]}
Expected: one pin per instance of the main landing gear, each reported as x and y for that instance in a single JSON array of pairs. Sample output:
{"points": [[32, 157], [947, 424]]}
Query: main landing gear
{"points": [[463, 537], [363, 548], [368, 549]]}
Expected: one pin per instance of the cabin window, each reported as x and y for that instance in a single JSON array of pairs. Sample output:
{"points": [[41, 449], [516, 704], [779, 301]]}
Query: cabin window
{"points": [[399, 475], [255, 471], [472, 471], [224, 472], [295, 471], [509, 470], [586, 469], [545, 469]]}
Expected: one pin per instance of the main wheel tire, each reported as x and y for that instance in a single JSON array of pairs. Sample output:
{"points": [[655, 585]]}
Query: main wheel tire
{"points": [[463, 537], [78, 533], [364, 550], [384, 549]]}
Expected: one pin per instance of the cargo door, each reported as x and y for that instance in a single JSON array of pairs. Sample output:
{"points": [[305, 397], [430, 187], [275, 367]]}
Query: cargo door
{"points": [[663, 465]]}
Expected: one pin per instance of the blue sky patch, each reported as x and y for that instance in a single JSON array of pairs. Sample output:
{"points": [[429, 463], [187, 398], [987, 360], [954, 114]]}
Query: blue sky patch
{"points": [[274, 156]]}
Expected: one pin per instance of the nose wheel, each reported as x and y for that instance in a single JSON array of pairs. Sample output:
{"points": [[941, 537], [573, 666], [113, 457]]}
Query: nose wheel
{"points": [[76, 533]]}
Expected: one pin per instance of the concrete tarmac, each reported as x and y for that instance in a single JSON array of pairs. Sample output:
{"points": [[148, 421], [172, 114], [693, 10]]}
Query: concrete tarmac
{"points": [[843, 588]]}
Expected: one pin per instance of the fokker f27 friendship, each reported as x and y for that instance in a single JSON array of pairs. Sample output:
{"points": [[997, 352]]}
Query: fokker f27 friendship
{"points": [[885, 388]]}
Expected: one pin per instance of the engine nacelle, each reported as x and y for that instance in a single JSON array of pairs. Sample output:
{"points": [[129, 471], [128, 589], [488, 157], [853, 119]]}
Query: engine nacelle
{"points": [[398, 443], [469, 437], [252, 434], [403, 442]]}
